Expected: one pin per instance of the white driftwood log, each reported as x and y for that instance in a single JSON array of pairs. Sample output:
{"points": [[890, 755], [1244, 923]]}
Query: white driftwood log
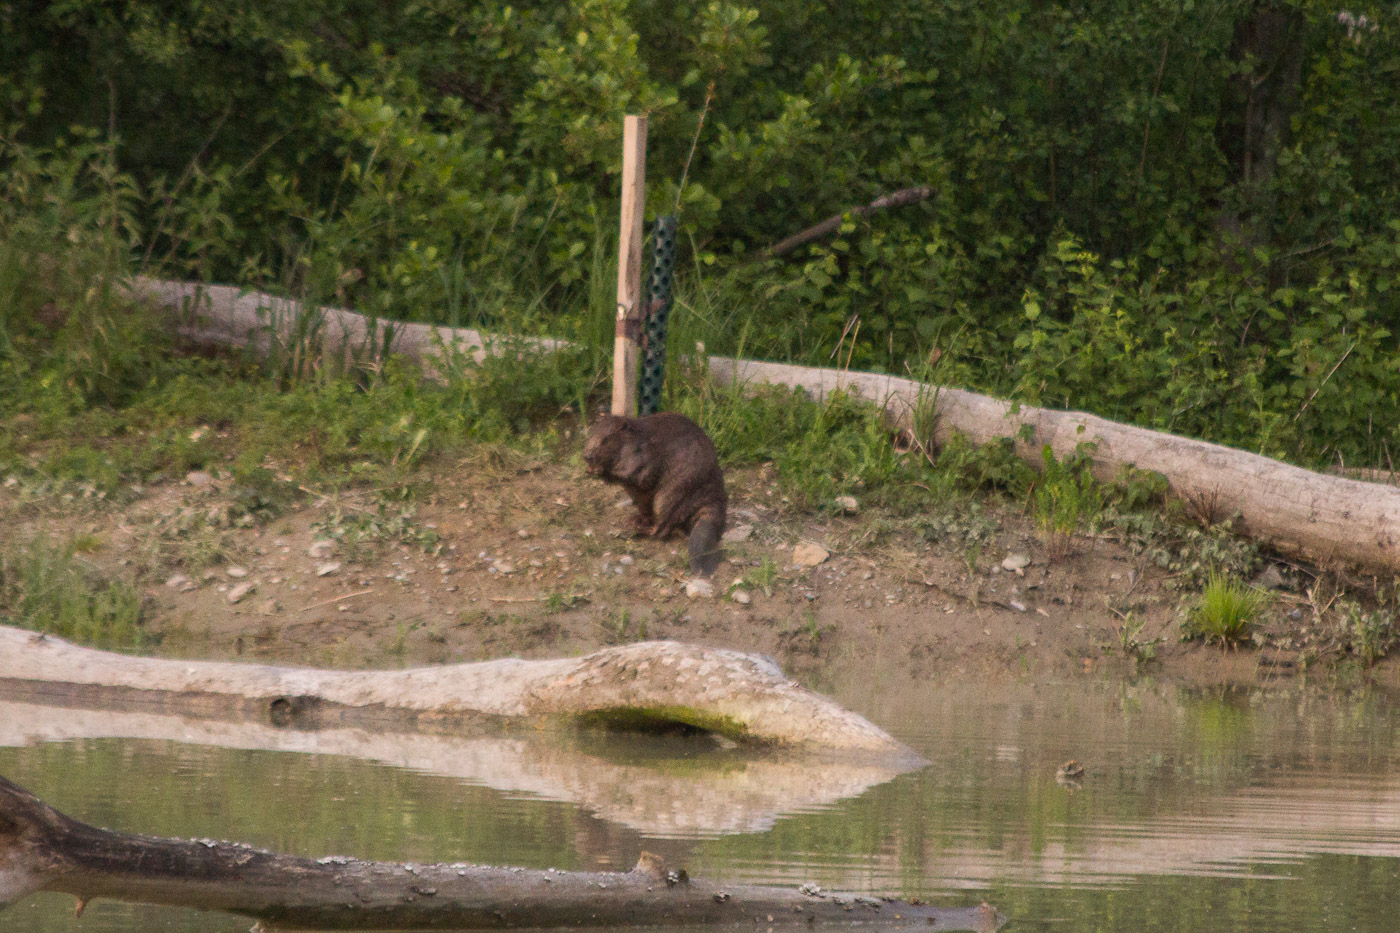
{"points": [[740, 695], [1325, 517]]}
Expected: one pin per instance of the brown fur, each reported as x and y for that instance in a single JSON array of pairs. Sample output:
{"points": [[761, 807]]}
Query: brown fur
{"points": [[667, 465]]}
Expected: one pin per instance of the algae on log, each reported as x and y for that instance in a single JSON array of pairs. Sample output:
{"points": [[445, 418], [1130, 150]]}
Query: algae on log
{"points": [[742, 696], [42, 849]]}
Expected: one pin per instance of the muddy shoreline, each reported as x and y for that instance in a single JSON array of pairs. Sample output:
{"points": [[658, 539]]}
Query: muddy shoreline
{"points": [[530, 559]]}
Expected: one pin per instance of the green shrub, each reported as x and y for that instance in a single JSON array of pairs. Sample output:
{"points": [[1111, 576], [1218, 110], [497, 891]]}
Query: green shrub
{"points": [[1065, 497], [1368, 636]]}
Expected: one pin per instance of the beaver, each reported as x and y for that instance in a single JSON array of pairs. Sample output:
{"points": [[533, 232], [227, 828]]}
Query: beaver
{"points": [[668, 467]]}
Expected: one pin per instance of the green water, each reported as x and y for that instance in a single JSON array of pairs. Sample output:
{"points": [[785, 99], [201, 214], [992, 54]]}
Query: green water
{"points": [[1213, 811]]}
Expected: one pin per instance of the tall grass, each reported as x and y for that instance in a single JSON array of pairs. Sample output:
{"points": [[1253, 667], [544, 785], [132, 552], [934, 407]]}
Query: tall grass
{"points": [[51, 589]]}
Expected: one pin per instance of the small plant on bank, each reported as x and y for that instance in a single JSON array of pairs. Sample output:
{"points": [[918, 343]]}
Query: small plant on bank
{"points": [[1131, 643], [563, 602], [1225, 611], [1368, 636], [762, 577], [360, 531], [1065, 497], [620, 628], [1192, 555]]}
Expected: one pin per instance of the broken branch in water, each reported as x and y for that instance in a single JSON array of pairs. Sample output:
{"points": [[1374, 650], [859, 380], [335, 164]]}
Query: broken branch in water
{"points": [[42, 849]]}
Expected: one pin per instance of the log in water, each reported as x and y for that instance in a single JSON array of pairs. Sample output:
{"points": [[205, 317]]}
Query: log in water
{"points": [[42, 849]]}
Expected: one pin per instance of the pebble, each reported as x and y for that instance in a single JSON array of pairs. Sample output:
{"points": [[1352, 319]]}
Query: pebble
{"points": [[807, 554], [847, 504], [321, 548], [178, 581], [1016, 563], [1019, 607], [502, 566], [738, 534], [198, 478], [741, 597], [237, 573], [325, 570], [626, 560], [241, 590], [699, 589]]}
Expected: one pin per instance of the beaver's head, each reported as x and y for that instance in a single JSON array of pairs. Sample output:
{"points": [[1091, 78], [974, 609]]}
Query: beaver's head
{"points": [[605, 439]]}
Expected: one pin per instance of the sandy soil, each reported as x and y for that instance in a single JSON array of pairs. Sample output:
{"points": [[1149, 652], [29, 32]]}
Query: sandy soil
{"points": [[500, 556]]}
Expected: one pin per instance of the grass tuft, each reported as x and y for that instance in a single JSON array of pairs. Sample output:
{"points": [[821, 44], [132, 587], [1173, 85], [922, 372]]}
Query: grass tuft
{"points": [[1226, 611]]}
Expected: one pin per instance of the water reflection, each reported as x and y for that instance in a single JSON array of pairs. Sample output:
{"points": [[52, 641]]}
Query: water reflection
{"points": [[664, 787], [1197, 811]]}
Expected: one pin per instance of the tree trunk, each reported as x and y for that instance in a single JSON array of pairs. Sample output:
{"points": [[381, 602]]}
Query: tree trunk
{"points": [[1324, 517], [44, 850], [741, 696], [1260, 100]]}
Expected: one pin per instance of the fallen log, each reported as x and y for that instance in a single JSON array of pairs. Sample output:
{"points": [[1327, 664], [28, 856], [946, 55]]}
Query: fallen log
{"points": [[42, 849], [740, 696], [726, 790], [1326, 518]]}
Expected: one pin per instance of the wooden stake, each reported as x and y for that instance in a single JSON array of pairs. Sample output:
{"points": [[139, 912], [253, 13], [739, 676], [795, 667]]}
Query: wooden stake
{"points": [[627, 340]]}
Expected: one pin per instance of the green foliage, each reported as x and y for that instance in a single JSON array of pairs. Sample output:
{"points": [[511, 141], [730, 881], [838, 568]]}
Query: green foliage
{"points": [[51, 589], [1130, 641], [1192, 553], [1087, 242], [820, 449], [1366, 635], [1064, 498], [1225, 611], [359, 531], [763, 577], [620, 628]]}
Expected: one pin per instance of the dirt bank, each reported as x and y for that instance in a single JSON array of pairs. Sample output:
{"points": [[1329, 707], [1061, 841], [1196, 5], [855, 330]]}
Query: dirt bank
{"points": [[503, 555]]}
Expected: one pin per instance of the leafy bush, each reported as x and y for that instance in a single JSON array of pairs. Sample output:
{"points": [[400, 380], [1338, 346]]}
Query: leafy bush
{"points": [[1099, 245], [1368, 635]]}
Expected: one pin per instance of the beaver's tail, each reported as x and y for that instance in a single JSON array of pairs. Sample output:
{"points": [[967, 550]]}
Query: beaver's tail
{"points": [[705, 535]]}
